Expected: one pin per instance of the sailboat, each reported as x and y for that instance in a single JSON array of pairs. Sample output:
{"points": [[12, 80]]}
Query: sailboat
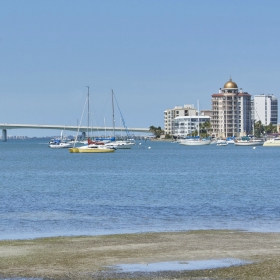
{"points": [[91, 147], [248, 141], [196, 141], [60, 143], [117, 144]]}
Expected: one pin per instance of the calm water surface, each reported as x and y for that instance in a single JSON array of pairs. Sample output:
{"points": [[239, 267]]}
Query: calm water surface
{"points": [[169, 187]]}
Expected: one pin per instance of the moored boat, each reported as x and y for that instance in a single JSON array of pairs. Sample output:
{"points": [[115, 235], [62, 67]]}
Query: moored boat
{"points": [[92, 146], [60, 144], [195, 142], [247, 141], [92, 149], [230, 140], [222, 143], [214, 142], [274, 142], [119, 144], [126, 144]]}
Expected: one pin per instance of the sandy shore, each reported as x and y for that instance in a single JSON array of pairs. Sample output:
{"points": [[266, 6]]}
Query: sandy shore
{"points": [[87, 257]]}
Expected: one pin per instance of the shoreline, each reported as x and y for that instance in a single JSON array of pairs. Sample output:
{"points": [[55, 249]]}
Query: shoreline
{"points": [[86, 257]]}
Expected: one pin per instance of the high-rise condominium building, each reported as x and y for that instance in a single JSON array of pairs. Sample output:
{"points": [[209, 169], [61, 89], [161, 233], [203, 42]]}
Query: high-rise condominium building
{"points": [[185, 126], [265, 109], [178, 111], [231, 111]]}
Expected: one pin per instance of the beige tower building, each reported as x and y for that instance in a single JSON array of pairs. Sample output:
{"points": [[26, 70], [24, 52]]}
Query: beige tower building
{"points": [[231, 109]]}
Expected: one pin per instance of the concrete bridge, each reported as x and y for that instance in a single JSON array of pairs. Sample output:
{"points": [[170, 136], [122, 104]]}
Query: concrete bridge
{"points": [[82, 129]]}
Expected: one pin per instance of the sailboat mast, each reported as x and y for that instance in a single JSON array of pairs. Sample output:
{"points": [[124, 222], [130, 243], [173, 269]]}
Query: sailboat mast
{"points": [[113, 113], [198, 116], [88, 112], [105, 127]]}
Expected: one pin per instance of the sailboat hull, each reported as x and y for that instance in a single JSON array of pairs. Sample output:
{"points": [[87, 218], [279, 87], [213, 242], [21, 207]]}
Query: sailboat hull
{"points": [[191, 142], [89, 149], [248, 143], [120, 144], [61, 145]]}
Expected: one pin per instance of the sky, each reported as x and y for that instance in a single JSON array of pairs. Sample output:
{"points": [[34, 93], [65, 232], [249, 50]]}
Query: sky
{"points": [[154, 55]]}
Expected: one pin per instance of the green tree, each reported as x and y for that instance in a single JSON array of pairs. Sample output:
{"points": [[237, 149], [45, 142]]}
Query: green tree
{"points": [[157, 131], [204, 129], [258, 129], [194, 133], [270, 128]]}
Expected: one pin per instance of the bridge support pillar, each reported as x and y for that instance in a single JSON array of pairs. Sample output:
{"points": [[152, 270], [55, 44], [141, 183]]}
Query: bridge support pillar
{"points": [[84, 135], [4, 135]]}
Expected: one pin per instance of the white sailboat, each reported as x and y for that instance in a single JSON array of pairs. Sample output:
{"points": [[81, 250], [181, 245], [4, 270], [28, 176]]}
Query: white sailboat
{"points": [[60, 143], [91, 147], [197, 141], [247, 141], [118, 144]]}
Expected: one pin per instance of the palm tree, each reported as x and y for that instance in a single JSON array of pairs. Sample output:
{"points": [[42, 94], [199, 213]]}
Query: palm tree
{"points": [[204, 129], [258, 128], [270, 128]]}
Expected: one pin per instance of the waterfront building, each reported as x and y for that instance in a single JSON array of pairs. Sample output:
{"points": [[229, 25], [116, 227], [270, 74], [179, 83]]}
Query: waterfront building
{"points": [[206, 112], [231, 109], [178, 111], [265, 109], [185, 125]]}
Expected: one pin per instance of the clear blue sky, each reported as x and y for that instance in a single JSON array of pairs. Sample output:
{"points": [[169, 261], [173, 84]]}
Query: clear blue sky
{"points": [[154, 54]]}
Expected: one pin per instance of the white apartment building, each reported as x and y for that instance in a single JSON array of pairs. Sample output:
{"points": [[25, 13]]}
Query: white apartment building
{"points": [[265, 109], [185, 125], [231, 109], [178, 111]]}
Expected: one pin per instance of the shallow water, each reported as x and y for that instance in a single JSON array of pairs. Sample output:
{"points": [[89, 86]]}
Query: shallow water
{"points": [[167, 187], [178, 266]]}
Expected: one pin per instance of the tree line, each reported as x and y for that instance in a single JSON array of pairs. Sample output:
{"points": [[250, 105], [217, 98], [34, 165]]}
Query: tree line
{"points": [[261, 130]]}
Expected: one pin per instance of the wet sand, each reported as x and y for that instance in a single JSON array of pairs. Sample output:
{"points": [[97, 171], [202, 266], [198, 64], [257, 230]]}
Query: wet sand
{"points": [[88, 257]]}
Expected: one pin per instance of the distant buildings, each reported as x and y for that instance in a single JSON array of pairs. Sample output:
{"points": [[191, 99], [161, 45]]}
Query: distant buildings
{"points": [[233, 113], [15, 137], [265, 109]]}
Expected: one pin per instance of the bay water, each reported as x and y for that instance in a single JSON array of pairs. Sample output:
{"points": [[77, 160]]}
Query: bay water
{"points": [[155, 186]]}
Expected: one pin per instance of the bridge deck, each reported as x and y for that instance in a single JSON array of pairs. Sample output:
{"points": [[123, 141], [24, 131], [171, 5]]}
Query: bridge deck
{"points": [[68, 127]]}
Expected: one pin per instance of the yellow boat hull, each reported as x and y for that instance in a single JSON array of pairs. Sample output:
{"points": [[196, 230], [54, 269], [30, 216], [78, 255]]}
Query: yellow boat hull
{"points": [[73, 150]]}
